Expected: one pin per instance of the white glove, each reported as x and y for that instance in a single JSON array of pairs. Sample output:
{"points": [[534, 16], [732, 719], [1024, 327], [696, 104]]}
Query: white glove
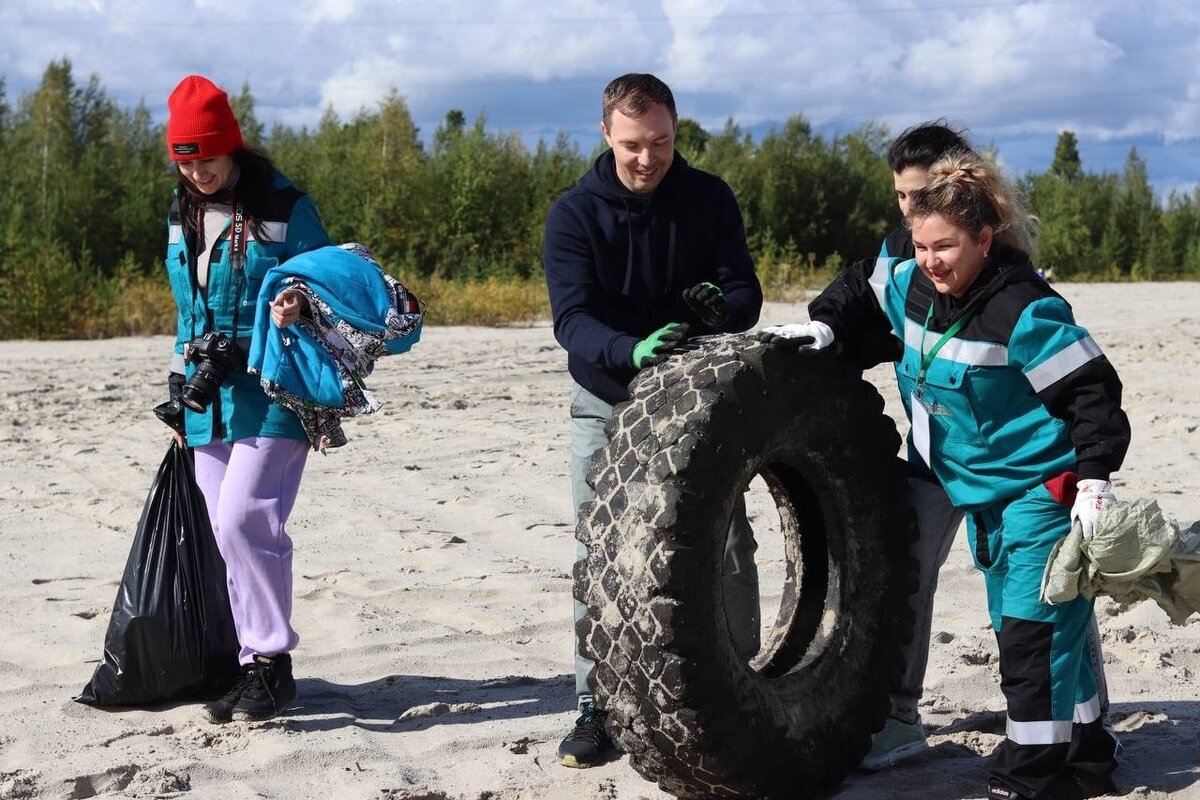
{"points": [[803, 335], [1091, 495]]}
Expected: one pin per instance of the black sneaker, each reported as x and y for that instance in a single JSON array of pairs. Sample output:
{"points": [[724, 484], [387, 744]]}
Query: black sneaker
{"points": [[587, 744], [1064, 788], [270, 687], [1094, 783], [221, 711]]}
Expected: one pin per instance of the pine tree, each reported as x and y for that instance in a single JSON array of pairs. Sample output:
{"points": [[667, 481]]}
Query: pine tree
{"points": [[1067, 164], [243, 109]]}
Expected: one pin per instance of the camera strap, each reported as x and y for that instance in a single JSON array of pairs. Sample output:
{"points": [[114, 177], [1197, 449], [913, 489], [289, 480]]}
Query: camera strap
{"points": [[237, 234], [237, 238], [237, 259], [237, 253]]}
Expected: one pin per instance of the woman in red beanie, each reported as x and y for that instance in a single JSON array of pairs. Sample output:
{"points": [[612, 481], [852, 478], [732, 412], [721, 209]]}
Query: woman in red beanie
{"points": [[233, 217]]}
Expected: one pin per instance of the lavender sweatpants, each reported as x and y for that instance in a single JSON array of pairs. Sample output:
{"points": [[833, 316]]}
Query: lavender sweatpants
{"points": [[250, 487]]}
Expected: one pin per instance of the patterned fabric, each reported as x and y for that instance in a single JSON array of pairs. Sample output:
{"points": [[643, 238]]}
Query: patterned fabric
{"points": [[353, 350]]}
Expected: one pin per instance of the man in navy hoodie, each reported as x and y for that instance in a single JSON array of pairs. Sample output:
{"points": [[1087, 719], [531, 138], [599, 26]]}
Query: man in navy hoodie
{"points": [[643, 252]]}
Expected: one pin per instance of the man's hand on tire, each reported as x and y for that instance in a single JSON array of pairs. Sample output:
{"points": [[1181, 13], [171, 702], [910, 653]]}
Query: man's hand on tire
{"points": [[657, 346], [802, 335], [708, 302]]}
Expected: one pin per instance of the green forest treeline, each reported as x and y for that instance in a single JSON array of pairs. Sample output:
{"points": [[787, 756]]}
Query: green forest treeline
{"points": [[85, 187]]}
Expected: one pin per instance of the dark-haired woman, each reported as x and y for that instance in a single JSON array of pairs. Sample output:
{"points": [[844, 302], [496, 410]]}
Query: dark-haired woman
{"points": [[1017, 412], [234, 216]]}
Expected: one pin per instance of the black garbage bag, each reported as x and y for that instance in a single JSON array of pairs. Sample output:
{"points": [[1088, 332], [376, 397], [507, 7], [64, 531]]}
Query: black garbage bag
{"points": [[171, 633]]}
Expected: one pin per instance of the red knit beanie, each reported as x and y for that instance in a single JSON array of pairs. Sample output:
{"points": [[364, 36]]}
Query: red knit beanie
{"points": [[200, 123]]}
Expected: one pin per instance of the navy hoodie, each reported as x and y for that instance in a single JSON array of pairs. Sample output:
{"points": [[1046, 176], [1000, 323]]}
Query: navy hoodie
{"points": [[617, 264]]}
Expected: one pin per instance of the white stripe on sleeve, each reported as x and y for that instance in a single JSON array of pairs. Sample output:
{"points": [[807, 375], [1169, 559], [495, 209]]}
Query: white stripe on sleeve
{"points": [[1063, 363], [879, 278]]}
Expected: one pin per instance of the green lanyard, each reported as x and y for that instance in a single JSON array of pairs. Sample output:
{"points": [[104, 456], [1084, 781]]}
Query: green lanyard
{"points": [[927, 358]]}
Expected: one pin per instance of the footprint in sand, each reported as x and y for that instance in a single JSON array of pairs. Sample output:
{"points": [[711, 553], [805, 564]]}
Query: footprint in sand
{"points": [[159, 782], [1137, 719], [437, 710], [40, 581], [420, 793], [111, 780], [216, 740], [19, 784]]}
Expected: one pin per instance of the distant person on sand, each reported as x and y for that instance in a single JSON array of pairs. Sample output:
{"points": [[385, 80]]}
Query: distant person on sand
{"points": [[643, 252], [232, 218]]}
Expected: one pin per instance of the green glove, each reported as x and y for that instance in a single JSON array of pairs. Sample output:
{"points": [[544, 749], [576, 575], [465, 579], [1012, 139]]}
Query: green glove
{"points": [[657, 346]]}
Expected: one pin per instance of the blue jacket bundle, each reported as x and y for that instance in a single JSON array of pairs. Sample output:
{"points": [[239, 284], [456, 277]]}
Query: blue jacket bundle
{"points": [[357, 314]]}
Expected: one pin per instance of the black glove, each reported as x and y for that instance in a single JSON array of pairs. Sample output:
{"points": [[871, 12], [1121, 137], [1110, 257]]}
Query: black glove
{"points": [[171, 412], [175, 382], [708, 302]]}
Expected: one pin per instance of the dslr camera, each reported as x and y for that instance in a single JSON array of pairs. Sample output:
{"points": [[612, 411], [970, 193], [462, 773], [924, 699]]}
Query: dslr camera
{"points": [[215, 356]]}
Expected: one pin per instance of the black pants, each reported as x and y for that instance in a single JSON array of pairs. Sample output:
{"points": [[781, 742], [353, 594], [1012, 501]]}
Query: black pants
{"points": [[1041, 758]]}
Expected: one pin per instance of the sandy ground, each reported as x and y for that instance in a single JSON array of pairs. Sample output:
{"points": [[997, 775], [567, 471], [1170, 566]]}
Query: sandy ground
{"points": [[432, 588]]}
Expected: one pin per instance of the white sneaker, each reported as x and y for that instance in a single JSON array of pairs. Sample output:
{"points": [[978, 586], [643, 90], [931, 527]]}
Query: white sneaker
{"points": [[898, 741]]}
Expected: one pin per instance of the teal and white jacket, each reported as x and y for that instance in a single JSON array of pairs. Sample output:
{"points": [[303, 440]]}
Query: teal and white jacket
{"points": [[290, 226], [1020, 394]]}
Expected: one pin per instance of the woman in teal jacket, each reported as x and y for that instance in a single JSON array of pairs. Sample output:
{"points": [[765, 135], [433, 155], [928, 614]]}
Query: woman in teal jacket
{"points": [[233, 218], [1017, 412]]}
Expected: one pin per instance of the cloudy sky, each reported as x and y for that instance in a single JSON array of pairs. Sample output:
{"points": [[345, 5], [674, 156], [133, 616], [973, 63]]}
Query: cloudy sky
{"points": [[1119, 73]]}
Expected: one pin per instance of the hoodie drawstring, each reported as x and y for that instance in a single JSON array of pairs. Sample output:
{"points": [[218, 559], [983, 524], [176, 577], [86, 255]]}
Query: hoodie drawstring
{"points": [[630, 248], [628, 252], [671, 258]]}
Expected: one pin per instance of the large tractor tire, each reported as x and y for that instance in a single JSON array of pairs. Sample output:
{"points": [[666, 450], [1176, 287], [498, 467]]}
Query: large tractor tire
{"points": [[692, 714]]}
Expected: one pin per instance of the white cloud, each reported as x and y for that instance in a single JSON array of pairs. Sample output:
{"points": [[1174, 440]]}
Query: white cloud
{"points": [[1002, 69], [704, 53], [73, 6], [1033, 53], [361, 84], [216, 10], [1184, 120], [320, 12], [427, 57]]}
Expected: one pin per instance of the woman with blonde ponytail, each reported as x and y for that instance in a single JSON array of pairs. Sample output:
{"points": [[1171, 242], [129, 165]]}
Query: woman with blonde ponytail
{"points": [[963, 182], [1017, 412]]}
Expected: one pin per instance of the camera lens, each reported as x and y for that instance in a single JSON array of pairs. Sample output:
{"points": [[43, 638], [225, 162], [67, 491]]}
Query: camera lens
{"points": [[202, 387], [214, 355], [193, 399]]}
